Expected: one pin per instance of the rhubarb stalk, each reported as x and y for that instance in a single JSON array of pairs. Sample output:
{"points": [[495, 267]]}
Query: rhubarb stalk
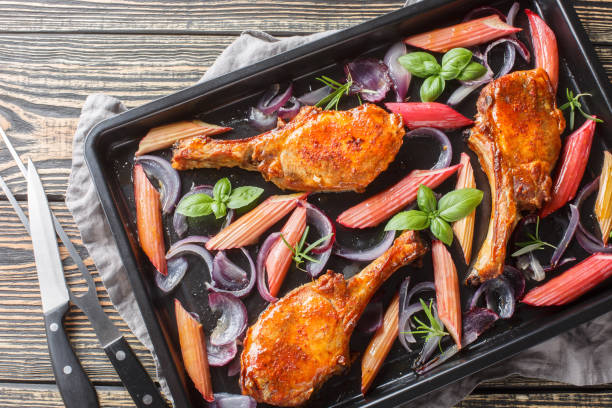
{"points": [[473, 32], [429, 114], [544, 47], [464, 228], [603, 204], [193, 350], [571, 167], [149, 220], [382, 206], [247, 229], [280, 256], [447, 290]]}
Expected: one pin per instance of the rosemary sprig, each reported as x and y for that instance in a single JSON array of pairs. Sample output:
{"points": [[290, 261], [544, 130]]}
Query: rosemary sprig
{"points": [[535, 244], [338, 91], [433, 329], [299, 254], [573, 103]]}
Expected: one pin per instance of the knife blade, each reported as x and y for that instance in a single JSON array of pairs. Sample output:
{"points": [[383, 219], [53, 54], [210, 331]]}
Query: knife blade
{"points": [[134, 377], [72, 382]]}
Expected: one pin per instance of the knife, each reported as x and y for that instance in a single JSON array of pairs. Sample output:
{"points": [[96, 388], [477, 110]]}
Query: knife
{"points": [[134, 377], [73, 384]]}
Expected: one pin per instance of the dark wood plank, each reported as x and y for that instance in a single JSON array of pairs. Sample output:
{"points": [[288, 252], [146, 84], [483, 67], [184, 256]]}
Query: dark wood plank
{"points": [[224, 16], [23, 349], [44, 80]]}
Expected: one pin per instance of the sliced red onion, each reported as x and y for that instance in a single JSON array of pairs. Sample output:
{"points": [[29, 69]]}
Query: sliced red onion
{"points": [[370, 78], [535, 267], [512, 45], [188, 246], [461, 93], [431, 343], [261, 267], [274, 99], [262, 121], [476, 296], [219, 356], [233, 319], [588, 241], [516, 279], [179, 221], [403, 293], [233, 368], [290, 109], [512, 13], [168, 178], [177, 267], [240, 293], [567, 236], [225, 400], [369, 254], [313, 97], [229, 218], [483, 12], [439, 359], [560, 264], [314, 269], [226, 274], [500, 297], [405, 334], [475, 322], [446, 154], [322, 223], [399, 75], [371, 318], [418, 288]]}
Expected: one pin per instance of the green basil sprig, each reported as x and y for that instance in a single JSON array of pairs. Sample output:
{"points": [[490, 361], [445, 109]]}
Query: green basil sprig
{"points": [[436, 215], [456, 64], [200, 204]]}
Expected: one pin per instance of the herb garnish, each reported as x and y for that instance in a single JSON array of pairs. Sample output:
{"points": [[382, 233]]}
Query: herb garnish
{"points": [[300, 255], [338, 90], [456, 64], [533, 245], [224, 197], [433, 329], [434, 215], [574, 103]]}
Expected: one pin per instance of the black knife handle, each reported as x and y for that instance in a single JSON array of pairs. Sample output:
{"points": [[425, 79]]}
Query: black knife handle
{"points": [[134, 377], [73, 383]]}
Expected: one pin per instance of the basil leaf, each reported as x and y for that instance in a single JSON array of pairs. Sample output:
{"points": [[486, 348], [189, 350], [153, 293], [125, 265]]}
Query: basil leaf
{"points": [[243, 196], [472, 71], [454, 62], [196, 205], [408, 220], [222, 189], [459, 203], [442, 230], [432, 88], [426, 199], [420, 64], [218, 208]]}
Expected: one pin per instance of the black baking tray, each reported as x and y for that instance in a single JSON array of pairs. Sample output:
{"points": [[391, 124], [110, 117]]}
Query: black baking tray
{"points": [[109, 150]]}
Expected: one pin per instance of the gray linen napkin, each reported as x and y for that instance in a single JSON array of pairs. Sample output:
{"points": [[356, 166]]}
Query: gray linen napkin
{"points": [[579, 356]]}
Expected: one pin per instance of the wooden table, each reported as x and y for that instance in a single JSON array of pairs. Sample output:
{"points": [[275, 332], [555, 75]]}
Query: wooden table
{"points": [[54, 54]]}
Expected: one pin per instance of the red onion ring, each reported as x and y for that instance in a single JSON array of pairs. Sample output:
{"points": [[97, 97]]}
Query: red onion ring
{"points": [[289, 110], [370, 78], [220, 355], [314, 269], [430, 344], [187, 246], [517, 279], [233, 368], [475, 322], [177, 268], [322, 223], [587, 240], [233, 320], [418, 288], [567, 236], [371, 318], [405, 335], [225, 400], [226, 274], [273, 99], [461, 93], [192, 239], [240, 293], [168, 178], [446, 154], [483, 12], [262, 121], [179, 221], [399, 75], [505, 304], [369, 254], [261, 270], [313, 97]]}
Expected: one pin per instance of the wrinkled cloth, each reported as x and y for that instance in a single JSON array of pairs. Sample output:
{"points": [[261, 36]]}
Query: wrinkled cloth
{"points": [[580, 356]]}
